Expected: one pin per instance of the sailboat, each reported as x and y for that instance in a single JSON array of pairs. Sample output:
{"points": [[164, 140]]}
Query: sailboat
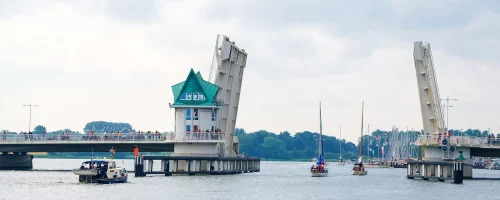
{"points": [[358, 168], [340, 162], [320, 167]]}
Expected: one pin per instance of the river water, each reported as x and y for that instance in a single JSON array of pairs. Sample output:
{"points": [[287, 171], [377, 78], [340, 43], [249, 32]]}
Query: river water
{"points": [[277, 180]]}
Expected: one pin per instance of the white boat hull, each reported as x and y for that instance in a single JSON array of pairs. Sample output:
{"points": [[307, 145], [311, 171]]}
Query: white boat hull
{"points": [[359, 173], [319, 174], [85, 172]]}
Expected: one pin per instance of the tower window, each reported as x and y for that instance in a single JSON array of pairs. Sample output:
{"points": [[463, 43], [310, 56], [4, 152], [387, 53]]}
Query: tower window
{"points": [[186, 96], [213, 115], [198, 96], [196, 114], [188, 113]]}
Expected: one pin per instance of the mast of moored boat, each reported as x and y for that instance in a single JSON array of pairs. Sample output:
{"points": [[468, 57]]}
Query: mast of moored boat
{"points": [[368, 145], [361, 139], [320, 134], [340, 143]]}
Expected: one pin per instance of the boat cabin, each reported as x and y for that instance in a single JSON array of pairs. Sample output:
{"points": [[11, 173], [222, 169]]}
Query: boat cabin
{"points": [[101, 171], [358, 167], [100, 165]]}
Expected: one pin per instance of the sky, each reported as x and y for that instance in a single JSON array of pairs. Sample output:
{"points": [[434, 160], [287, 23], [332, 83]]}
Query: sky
{"points": [[116, 60]]}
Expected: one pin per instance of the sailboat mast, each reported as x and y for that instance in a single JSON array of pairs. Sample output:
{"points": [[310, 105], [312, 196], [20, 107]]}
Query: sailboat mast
{"points": [[320, 132], [368, 146], [340, 141], [361, 144]]}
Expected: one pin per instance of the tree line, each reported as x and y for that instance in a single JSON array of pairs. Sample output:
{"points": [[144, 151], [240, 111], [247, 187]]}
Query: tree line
{"points": [[96, 126]]}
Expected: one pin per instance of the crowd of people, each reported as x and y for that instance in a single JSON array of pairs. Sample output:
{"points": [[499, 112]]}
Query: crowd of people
{"points": [[119, 135], [490, 140], [203, 135], [493, 140]]}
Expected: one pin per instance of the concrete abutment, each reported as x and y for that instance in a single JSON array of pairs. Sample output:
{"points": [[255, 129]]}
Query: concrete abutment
{"points": [[16, 161]]}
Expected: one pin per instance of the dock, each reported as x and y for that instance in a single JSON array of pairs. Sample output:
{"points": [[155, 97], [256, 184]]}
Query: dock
{"points": [[436, 170], [195, 165]]}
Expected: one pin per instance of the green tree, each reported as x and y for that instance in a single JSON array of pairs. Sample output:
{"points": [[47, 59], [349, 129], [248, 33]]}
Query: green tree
{"points": [[102, 126], [273, 148], [239, 131], [287, 139], [59, 132], [39, 129], [7, 131]]}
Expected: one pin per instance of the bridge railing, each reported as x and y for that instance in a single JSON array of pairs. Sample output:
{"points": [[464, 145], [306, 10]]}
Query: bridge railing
{"points": [[110, 137], [200, 136], [30, 138], [465, 141]]}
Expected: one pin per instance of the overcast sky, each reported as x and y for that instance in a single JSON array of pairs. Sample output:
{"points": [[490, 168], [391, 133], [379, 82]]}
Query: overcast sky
{"points": [[82, 61]]}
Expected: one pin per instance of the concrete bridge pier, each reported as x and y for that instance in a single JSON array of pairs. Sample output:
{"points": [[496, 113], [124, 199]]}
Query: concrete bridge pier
{"points": [[21, 161], [433, 154]]}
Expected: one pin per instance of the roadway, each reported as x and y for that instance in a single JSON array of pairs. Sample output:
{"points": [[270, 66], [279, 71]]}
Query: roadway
{"points": [[479, 146], [100, 142]]}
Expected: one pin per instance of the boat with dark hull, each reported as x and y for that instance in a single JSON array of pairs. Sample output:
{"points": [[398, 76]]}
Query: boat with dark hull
{"points": [[400, 166], [101, 171]]}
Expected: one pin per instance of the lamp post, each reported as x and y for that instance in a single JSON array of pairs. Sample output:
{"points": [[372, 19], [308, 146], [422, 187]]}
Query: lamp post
{"points": [[30, 105], [447, 111]]}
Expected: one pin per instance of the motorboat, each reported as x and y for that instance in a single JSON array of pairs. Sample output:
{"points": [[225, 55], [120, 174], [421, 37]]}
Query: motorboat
{"points": [[375, 164], [101, 171], [494, 165], [400, 164], [359, 169]]}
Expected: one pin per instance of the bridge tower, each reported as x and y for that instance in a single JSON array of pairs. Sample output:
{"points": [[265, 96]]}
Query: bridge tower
{"points": [[433, 148], [432, 115], [226, 72], [210, 106]]}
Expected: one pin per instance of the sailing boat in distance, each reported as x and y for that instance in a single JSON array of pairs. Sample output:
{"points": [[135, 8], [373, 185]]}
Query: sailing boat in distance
{"points": [[320, 167], [358, 168], [340, 162]]}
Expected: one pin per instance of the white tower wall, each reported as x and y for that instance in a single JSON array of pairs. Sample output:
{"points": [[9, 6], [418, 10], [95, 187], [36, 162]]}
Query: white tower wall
{"points": [[180, 123]]}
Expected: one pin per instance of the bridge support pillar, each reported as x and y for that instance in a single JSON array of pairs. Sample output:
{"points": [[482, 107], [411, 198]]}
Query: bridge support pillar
{"points": [[458, 172], [139, 166], [16, 162]]}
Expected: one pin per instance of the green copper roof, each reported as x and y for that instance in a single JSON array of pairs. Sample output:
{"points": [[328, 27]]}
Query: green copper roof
{"points": [[195, 83], [199, 75]]}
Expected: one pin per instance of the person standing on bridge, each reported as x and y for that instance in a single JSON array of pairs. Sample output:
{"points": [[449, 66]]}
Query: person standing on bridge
{"points": [[136, 151], [112, 153], [4, 136]]}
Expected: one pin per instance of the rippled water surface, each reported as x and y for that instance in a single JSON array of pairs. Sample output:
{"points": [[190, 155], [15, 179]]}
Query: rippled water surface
{"points": [[277, 180]]}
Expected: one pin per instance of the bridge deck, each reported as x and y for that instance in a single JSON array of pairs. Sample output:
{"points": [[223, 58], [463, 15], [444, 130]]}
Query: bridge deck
{"points": [[103, 142], [459, 141], [479, 146]]}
